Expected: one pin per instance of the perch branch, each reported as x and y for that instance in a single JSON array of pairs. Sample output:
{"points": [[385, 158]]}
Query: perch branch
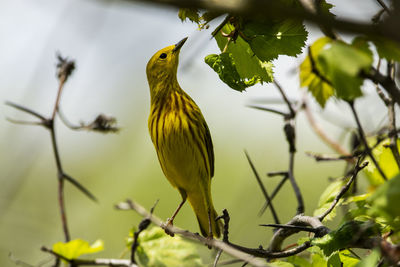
{"points": [[129, 205]]}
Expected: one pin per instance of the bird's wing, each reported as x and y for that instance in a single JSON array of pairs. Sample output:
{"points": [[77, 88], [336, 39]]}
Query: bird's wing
{"points": [[210, 148]]}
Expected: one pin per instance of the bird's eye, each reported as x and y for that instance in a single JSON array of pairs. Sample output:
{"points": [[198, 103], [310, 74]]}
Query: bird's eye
{"points": [[163, 55]]}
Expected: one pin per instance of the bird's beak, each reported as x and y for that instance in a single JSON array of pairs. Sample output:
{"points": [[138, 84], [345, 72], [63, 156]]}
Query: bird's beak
{"points": [[179, 45]]}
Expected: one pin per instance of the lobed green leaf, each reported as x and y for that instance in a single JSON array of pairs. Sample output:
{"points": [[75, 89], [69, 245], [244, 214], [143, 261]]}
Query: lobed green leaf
{"points": [[269, 39]]}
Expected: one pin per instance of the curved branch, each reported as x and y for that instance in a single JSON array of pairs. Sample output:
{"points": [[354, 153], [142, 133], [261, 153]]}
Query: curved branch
{"points": [[227, 248]]}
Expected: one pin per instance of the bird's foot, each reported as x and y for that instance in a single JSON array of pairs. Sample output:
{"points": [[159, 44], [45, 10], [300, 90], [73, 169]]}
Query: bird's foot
{"points": [[209, 240], [166, 226]]}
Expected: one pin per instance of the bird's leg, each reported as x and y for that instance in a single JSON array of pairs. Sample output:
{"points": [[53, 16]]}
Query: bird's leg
{"points": [[170, 221], [210, 232]]}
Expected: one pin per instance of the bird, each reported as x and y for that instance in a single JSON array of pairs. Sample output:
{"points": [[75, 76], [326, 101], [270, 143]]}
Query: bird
{"points": [[181, 139]]}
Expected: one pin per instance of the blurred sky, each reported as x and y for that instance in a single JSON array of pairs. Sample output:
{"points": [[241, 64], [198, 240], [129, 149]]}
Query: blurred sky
{"points": [[111, 42]]}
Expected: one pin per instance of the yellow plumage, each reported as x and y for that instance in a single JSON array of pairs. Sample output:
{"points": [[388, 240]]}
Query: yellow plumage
{"points": [[181, 138]]}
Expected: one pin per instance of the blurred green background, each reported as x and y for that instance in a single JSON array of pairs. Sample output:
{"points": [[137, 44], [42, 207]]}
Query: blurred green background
{"points": [[111, 42]]}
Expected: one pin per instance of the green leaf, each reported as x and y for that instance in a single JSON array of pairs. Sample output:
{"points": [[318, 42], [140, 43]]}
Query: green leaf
{"points": [[342, 63], [299, 261], [387, 49], [348, 259], [334, 260], [239, 68], [157, 249], [318, 260], [224, 65], [269, 39], [77, 247], [321, 89], [195, 16], [348, 233], [280, 264], [192, 14], [327, 197], [371, 260], [385, 202], [325, 8], [384, 157]]}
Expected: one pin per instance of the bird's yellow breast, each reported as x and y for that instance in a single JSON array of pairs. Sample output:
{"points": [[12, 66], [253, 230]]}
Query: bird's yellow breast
{"points": [[173, 132]]}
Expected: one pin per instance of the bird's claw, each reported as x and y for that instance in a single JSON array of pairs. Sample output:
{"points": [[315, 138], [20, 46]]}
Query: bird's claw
{"points": [[166, 226]]}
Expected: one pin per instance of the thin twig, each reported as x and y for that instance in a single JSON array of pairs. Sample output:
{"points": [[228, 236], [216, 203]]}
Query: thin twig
{"points": [[26, 110], [321, 133], [322, 157], [286, 99], [299, 220], [229, 262], [142, 226], [273, 194], [219, 253], [294, 227], [344, 188], [296, 189], [270, 110], [393, 134], [102, 123], [264, 191], [34, 123], [365, 142], [65, 68], [384, 6], [277, 173]]}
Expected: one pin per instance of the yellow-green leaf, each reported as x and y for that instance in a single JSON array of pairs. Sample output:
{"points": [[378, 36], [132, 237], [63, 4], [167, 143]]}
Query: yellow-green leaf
{"points": [[157, 249], [384, 157], [77, 247], [319, 88]]}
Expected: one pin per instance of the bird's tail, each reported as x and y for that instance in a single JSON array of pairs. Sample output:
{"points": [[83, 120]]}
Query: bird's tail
{"points": [[202, 206]]}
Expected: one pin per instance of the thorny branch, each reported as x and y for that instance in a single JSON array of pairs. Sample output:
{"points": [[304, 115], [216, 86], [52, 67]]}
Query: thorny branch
{"points": [[264, 191], [130, 205], [290, 133], [65, 67]]}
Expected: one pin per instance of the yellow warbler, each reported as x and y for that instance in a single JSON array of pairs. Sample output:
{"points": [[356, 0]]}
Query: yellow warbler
{"points": [[181, 138]]}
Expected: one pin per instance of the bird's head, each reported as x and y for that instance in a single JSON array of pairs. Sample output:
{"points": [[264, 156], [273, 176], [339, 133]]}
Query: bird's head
{"points": [[163, 65]]}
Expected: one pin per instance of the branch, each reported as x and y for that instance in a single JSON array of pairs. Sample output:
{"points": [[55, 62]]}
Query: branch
{"points": [[322, 157], [286, 99], [344, 188], [102, 123], [277, 9], [285, 115], [65, 68], [298, 220], [227, 248], [293, 227], [322, 134], [365, 142], [274, 193], [393, 133], [95, 262], [264, 191], [385, 81]]}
